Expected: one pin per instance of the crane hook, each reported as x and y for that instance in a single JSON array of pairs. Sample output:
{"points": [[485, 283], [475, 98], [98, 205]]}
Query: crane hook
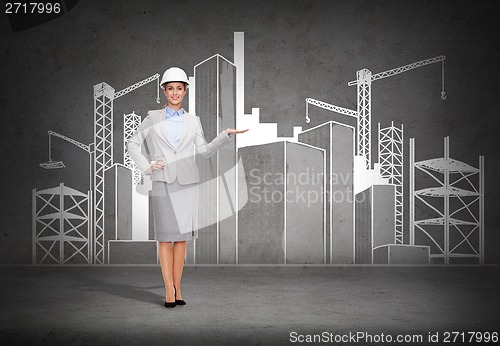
{"points": [[158, 89], [443, 94], [308, 120]]}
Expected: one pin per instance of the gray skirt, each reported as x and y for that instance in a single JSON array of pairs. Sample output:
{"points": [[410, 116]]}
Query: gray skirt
{"points": [[175, 211]]}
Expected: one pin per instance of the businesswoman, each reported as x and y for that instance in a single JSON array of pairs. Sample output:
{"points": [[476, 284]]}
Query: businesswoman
{"points": [[174, 174]]}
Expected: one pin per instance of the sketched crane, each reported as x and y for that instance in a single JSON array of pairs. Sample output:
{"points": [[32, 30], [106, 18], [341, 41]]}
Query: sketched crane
{"points": [[329, 107], [363, 81], [59, 164], [101, 154], [390, 138]]}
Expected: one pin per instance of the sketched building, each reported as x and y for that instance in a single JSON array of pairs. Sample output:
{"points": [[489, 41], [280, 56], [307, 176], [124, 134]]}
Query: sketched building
{"points": [[215, 104], [284, 218], [337, 140], [117, 205], [61, 228], [375, 221]]}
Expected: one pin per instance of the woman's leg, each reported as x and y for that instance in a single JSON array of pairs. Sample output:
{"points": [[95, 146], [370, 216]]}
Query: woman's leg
{"points": [[179, 256], [167, 261]]}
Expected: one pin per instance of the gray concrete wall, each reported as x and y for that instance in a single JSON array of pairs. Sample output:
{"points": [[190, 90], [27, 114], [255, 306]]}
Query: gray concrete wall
{"points": [[293, 50]]}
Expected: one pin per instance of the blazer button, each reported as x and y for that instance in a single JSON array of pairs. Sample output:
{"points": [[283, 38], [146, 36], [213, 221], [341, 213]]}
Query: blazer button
{"points": [[175, 151]]}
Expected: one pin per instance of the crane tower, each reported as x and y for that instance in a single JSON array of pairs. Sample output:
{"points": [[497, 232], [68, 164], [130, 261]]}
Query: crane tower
{"points": [[131, 123], [104, 95], [390, 158], [364, 78]]}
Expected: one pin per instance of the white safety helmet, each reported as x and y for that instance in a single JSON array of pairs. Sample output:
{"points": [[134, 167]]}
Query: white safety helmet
{"points": [[174, 74]]}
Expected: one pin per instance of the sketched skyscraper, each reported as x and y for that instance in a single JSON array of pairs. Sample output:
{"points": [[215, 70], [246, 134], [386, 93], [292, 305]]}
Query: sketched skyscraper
{"points": [[215, 104], [338, 141]]}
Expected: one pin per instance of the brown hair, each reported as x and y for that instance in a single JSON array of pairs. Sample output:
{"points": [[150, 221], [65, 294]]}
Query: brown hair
{"points": [[185, 84]]}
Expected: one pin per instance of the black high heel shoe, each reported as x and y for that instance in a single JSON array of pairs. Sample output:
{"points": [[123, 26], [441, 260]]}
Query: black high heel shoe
{"points": [[178, 301], [170, 304]]}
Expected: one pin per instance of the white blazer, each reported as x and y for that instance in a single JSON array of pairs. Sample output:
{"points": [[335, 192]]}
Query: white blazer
{"points": [[179, 163]]}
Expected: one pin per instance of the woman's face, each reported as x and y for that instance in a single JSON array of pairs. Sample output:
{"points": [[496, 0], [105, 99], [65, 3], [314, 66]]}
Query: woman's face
{"points": [[174, 91]]}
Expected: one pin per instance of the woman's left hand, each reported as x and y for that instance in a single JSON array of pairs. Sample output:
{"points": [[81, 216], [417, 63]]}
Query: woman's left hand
{"points": [[234, 131]]}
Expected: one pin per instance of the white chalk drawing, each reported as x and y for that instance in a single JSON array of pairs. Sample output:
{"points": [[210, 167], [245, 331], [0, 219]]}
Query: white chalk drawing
{"points": [[390, 158], [101, 151], [140, 185], [387, 171], [361, 203], [59, 164], [329, 107], [363, 82], [130, 124], [104, 96], [61, 227], [338, 141], [456, 202]]}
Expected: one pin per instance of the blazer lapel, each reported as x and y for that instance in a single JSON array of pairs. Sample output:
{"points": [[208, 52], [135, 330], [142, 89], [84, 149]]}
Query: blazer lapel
{"points": [[187, 122]]}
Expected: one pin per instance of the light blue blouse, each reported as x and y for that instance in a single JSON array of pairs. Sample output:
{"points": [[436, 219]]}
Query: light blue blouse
{"points": [[175, 124]]}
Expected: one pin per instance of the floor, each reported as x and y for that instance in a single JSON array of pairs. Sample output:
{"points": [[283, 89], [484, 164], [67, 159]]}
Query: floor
{"points": [[245, 305]]}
